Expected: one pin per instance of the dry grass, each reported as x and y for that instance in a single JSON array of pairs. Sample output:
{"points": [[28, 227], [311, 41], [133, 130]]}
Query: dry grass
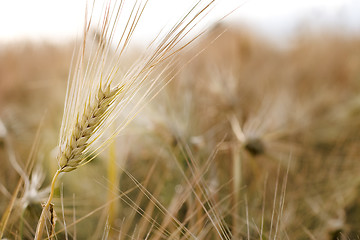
{"points": [[249, 141]]}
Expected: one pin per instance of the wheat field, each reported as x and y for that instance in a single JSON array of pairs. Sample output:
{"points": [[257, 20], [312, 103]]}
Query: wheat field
{"points": [[239, 138]]}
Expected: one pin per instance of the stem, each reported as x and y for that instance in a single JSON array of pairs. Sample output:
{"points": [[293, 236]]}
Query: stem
{"points": [[21, 227], [41, 223], [113, 177], [236, 158]]}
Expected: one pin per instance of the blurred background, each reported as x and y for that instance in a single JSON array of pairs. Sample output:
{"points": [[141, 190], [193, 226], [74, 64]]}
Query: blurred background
{"points": [[59, 21], [268, 115]]}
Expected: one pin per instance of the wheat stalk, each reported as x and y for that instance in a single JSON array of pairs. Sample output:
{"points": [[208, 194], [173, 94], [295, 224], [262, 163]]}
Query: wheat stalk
{"points": [[98, 91]]}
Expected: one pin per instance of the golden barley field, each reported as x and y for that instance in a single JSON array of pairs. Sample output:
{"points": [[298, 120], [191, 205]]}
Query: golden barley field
{"points": [[246, 139]]}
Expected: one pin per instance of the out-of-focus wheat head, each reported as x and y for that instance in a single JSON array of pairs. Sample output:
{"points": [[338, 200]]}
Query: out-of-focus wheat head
{"points": [[100, 90]]}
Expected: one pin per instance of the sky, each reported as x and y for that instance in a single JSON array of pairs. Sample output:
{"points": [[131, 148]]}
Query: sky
{"points": [[59, 20]]}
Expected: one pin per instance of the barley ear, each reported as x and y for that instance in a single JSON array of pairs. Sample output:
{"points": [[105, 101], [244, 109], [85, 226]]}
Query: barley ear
{"points": [[73, 153]]}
